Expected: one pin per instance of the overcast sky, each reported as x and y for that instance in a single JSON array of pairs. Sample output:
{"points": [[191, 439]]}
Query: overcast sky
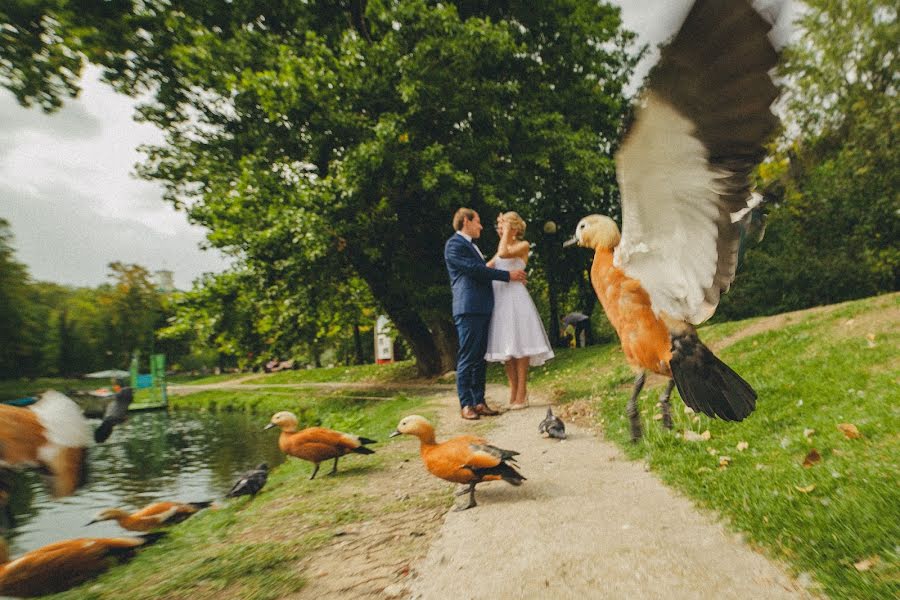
{"points": [[68, 189]]}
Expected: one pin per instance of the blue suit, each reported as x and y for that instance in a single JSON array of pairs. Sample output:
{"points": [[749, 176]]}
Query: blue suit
{"points": [[473, 301]]}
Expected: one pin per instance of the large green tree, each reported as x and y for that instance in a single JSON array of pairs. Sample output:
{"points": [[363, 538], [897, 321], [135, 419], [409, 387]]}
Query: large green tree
{"points": [[353, 129], [834, 180]]}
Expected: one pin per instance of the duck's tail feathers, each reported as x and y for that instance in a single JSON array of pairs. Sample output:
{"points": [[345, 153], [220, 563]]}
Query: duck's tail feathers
{"points": [[363, 450], [365, 440], [706, 384], [504, 471], [201, 505]]}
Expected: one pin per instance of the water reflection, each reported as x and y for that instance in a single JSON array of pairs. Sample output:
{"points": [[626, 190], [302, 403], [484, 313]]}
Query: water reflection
{"points": [[186, 456]]}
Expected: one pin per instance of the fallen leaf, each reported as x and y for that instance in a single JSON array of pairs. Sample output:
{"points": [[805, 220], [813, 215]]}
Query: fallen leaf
{"points": [[706, 435], [704, 470], [812, 458], [724, 461], [867, 563], [712, 451], [741, 446], [849, 430], [765, 519], [692, 436], [695, 419], [806, 488], [688, 410], [807, 433], [657, 417]]}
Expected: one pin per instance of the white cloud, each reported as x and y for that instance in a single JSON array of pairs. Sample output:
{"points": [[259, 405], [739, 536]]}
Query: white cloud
{"points": [[69, 191]]}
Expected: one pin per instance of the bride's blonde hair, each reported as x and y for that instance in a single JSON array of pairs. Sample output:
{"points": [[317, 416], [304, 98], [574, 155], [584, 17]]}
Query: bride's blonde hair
{"points": [[513, 218]]}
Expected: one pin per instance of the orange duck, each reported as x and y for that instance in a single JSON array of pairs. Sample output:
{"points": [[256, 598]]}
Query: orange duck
{"points": [[316, 444], [52, 435], [63, 565], [464, 459], [684, 172], [153, 516]]}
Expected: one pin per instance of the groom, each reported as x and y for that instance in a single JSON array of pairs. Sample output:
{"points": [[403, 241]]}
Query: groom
{"points": [[473, 302]]}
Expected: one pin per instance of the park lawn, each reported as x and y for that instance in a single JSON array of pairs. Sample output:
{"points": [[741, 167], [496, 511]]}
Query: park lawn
{"points": [[404, 370], [20, 388], [255, 549], [839, 518]]}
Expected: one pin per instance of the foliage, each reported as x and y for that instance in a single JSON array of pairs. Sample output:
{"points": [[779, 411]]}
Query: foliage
{"points": [[813, 371], [834, 182], [48, 329], [321, 144]]}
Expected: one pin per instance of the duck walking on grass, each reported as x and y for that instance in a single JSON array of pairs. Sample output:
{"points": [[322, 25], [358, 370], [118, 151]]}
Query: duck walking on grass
{"points": [[51, 435], [465, 459], [316, 444], [57, 567], [152, 516], [684, 172], [249, 483]]}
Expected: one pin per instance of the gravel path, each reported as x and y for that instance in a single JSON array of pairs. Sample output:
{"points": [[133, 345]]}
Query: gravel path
{"points": [[588, 523]]}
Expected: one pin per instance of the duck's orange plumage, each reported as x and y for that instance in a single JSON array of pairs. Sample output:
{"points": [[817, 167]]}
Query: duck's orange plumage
{"points": [[152, 516], [684, 172], [52, 434], [645, 338], [316, 444], [57, 567], [465, 459]]}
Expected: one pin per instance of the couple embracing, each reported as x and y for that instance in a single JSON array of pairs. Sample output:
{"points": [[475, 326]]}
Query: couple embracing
{"points": [[495, 317]]}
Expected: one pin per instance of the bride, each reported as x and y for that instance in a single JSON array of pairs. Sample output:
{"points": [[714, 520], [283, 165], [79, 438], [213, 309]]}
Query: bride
{"points": [[516, 335]]}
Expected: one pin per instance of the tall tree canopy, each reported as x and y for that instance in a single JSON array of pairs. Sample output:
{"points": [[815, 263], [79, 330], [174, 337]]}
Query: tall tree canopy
{"points": [[834, 180], [324, 141]]}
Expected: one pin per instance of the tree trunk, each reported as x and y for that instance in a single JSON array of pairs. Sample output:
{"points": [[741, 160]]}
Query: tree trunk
{"points": [[357, 345], [444, 332], [409, 323]]}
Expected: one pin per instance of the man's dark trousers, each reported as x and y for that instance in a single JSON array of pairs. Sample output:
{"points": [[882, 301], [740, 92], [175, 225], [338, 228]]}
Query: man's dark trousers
{"points": [[471, 282], [471, 367]]}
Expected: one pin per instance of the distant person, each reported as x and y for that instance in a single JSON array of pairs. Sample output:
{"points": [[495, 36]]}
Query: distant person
{"points": [[516, 336], [473, 302], [116, 410], [577, 325]]}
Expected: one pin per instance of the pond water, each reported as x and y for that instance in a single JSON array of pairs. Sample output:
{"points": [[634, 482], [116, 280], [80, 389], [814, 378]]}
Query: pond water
{"points": [[187, 456]]}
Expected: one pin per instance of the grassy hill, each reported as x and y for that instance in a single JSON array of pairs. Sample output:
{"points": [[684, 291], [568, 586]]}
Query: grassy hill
{"points": [[794, 477]]}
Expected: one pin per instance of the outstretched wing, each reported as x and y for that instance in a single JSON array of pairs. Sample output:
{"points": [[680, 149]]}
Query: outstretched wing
{"points": [[684, 167]]}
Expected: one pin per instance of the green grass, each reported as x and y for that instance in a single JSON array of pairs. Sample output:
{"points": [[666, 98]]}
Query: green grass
{"points": [[815, 373], [19, 388], [398, 371], [254, 549], [204, 379]]}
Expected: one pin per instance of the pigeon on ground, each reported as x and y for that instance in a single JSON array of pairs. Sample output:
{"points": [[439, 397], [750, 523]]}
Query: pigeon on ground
{"points": [[552, 426], [250, 482]]}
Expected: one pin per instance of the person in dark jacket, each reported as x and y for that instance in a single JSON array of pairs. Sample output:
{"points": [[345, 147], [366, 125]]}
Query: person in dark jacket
{"points": [[473, 301], [116, 411]]}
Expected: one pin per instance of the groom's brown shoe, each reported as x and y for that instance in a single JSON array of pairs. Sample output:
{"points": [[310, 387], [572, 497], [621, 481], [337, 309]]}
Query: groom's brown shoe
{"points": [[469, 413], [485, 411]]}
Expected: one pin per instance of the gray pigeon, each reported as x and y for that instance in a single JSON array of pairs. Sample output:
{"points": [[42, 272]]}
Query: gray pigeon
{"points": [[250, 482], [552, 426]]}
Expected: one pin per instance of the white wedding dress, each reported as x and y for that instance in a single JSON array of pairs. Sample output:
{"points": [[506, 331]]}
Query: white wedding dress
{"points": [[516, 329]]}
